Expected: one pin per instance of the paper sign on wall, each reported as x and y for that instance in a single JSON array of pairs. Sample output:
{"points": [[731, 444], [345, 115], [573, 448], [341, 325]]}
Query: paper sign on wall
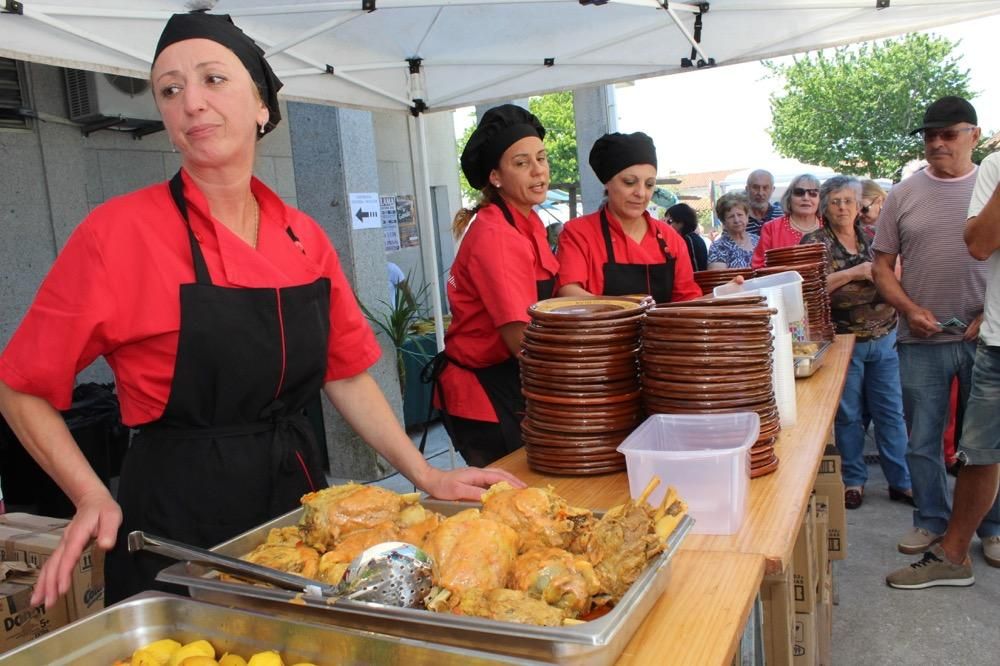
{"points": [[364, 209], [390, 225]]}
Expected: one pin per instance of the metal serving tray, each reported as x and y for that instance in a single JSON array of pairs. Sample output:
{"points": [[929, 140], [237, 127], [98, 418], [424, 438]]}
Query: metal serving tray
{"points": [[117, 631], [597, 642], [806, 365]]}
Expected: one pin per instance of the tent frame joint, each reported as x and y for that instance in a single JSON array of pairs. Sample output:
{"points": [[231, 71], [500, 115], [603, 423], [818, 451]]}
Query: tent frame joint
{"points": [[12, 7], [882, 4], [549, 62], [329, 70], [368, 6], [419, 106]]}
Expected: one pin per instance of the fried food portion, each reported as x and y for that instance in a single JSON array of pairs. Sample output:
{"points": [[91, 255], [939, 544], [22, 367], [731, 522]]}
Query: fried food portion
{"points": [[558, 578], [542, 518], [297, 559], [621, 543], [284, 536], [471, 551], [334, 562], [509, 606], [333, 513]]}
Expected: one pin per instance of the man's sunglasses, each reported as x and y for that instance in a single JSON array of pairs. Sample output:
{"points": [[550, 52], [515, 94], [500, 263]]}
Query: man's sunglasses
{"points": [[802, 191], [949, 134]]}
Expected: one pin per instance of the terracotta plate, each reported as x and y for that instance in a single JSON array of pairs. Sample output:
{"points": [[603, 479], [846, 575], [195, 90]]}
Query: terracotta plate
{"points": [[582, 309]]}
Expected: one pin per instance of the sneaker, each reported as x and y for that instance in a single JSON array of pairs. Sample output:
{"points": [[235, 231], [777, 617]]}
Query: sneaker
{"points": [[991, 550], [917, 540], [933, 570]]}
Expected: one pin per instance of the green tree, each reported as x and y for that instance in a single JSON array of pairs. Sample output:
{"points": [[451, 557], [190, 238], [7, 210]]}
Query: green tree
{"points": [[555, 112], [852, 109]]}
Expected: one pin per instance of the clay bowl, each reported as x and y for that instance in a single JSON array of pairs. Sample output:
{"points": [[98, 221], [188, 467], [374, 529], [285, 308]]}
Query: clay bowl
{"points": [[543, 468], [654, 405], [571, 377], [599, 364], [694, 373], [595, 308], [581, 398], [719, 323], [756, 363], [529, 428], [756, 472], [605, 411], [557, 351], [688, 398], [711, 388], [555, 388], [709, 312], [581, 339], [570, 456], [708, 338], [582, 426], [596, 326]]}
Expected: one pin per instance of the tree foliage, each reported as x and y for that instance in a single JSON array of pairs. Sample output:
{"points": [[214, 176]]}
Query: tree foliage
{"points": [[852, 109], [555, 112]]}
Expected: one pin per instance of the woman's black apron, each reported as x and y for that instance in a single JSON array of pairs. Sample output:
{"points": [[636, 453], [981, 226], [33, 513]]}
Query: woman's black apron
{"points": [[657, 280], [501, 382], [232, 448]]}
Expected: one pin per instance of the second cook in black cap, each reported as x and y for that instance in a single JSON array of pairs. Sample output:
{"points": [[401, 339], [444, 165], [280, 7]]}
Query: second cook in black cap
{"points": [[621, 249], [503, 265]]}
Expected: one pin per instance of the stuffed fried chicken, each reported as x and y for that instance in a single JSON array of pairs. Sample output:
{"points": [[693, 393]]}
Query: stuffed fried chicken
{"points": [[541, 518], [509, 606], [333, 513], [558, 578]]}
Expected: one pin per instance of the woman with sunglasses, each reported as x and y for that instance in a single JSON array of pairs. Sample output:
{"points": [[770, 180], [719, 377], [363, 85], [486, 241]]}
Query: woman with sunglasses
{"points": [[801, 205], [873, 375], [872, 197]]}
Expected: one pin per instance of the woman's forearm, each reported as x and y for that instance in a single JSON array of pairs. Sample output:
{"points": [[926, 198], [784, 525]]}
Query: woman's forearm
{"points": [[43, 433], [360, 401]]}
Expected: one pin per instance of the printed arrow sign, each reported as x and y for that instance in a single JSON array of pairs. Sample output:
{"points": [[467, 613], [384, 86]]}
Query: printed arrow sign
{"points": [[366, 210]]}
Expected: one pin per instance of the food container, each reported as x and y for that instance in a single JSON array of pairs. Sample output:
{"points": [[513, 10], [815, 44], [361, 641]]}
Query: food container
{"points": [[704, 456], [783, 291], [117, 631], [807, 364], [597, 642]]}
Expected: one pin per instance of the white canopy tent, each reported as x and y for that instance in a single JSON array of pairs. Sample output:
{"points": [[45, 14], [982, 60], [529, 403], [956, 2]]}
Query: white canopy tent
{"points": [[426, 55]]}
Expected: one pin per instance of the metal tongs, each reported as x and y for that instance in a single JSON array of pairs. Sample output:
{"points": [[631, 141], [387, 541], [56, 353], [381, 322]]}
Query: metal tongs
{"points": [[392, 573]]}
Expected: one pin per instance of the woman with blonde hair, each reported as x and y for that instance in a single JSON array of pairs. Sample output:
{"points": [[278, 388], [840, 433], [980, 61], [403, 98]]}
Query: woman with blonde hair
{"points": [[872, 198], [801, 205]]}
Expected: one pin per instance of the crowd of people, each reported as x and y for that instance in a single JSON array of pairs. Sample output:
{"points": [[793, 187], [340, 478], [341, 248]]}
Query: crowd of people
{"points": [[179, 284]]}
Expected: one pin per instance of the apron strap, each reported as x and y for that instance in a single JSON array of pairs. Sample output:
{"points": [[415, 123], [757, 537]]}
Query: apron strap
{"points": [[502, 205], [200, 267], [431, 374]]}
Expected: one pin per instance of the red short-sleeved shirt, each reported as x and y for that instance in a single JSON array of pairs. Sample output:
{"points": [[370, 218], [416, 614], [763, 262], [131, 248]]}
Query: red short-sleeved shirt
{"points": [[492, 283], [114, 291], [582, 253], [775, 233]]}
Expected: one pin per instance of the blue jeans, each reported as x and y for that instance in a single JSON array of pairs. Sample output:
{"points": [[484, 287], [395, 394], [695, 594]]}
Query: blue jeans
{"points": [[980, 443], [926, 372], [873, 382]]}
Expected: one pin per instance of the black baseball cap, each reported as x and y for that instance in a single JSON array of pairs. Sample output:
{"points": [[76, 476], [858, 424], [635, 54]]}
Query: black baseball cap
{"points": [[946, 112]]}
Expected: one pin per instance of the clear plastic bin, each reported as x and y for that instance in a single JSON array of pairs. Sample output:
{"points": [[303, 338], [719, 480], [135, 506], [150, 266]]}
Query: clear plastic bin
{"points": [[704, 456], [788, 285]]}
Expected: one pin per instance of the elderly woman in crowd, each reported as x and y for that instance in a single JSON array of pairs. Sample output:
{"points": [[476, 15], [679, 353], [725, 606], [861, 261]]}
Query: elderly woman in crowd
{"points": [[873, 375], [735, 247], [222, 312], [685, 222], [872, 198], [800, 203], [622, 249]]}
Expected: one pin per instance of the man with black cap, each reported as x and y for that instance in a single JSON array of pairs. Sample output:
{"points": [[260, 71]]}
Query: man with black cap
{"points": [[940, 299]]}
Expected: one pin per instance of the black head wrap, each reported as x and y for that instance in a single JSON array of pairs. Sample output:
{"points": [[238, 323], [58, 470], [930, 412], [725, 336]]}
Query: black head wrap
{"points": [[500, 128], [221, 29], [614, 152]]}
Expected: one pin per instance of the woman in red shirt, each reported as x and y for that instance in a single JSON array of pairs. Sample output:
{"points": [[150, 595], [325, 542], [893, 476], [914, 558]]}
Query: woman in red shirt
{"points": [[503, 265], [221, 312], [801, 205], [622, 249]]}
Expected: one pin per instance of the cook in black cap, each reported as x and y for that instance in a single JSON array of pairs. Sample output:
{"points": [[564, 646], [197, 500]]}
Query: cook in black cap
{"points": [[223, 313], [503, 266], [621, 249]]}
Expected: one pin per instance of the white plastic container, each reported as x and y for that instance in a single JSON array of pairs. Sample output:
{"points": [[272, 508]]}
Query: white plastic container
{"points": [[704, 456], [787, 285]]}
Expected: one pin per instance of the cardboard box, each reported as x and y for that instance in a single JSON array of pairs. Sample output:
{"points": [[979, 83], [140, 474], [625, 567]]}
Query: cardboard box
{"points": [[776, 597], [824, 624], [20, 621], [820, 532], [804, 639], [804, 563], [829, 466], [830, 484], [32, 539]]}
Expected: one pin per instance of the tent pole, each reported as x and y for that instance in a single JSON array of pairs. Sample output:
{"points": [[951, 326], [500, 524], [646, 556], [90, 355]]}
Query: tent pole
{"points": [[428, 236]]}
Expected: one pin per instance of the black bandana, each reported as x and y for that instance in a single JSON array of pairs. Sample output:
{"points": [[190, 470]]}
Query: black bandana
{"points": [[614, 152], [221, 29], [501, 127]]}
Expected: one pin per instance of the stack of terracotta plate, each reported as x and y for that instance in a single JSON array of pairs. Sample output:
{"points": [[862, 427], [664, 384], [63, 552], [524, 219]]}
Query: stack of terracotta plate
{"points": [[709, 280], [713, 356], [580, 379], [812, 263]]}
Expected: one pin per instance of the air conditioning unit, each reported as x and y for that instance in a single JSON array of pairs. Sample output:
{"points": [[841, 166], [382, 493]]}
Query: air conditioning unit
{"points": [[93, 97]]}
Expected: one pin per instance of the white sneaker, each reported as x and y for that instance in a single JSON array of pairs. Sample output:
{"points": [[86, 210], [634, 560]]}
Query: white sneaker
{"points": [[918, 540], [991, 550]]}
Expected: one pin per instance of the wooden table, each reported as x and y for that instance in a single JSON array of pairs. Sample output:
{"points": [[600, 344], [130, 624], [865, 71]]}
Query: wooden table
{"points": [[715, 600], [701, 615]]}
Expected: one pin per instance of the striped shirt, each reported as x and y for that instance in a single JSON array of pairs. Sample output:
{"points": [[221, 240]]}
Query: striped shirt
{"points": [[773, 212], [922, 220]]}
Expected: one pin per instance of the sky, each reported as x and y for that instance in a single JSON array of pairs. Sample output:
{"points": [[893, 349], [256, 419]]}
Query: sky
{"points": [[717, 119]]}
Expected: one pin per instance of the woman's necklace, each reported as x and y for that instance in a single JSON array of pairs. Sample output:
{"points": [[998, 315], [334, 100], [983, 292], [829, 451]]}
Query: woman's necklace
{"points": [[256, 221], [799, 229]]}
